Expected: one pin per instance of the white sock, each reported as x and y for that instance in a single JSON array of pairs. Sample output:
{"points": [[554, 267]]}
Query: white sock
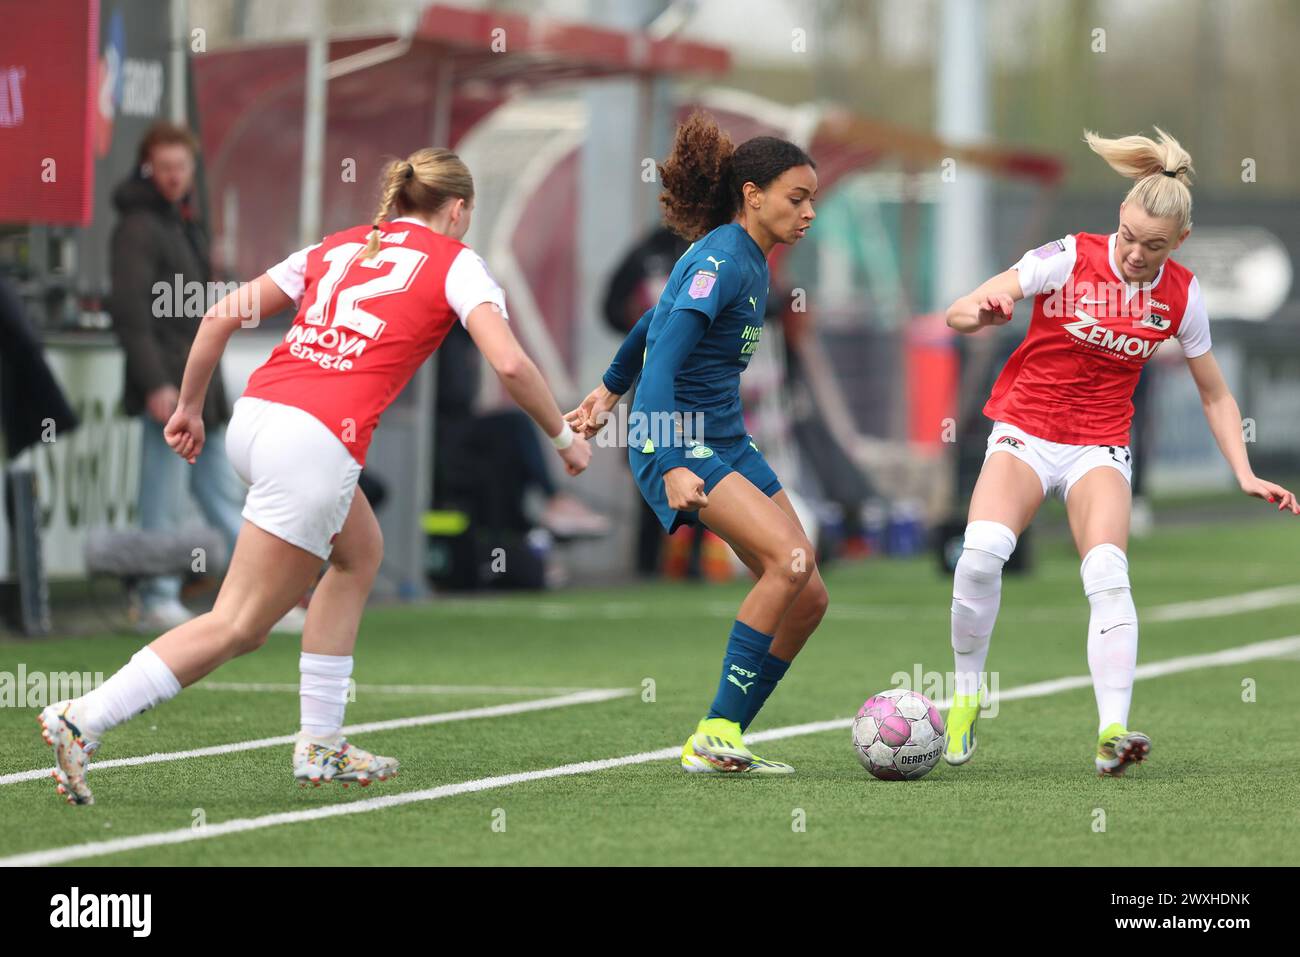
{"points": [[1112, 633], [142, 683], [323, 693], [976, 594]]}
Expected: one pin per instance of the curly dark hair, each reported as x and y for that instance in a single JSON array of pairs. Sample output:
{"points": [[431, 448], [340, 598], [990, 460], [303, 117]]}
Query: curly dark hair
{"points": [[704, 175]]}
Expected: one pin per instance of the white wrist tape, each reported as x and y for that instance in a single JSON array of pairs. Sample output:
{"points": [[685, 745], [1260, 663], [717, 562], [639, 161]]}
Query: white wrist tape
{"points": [[564, 439]]}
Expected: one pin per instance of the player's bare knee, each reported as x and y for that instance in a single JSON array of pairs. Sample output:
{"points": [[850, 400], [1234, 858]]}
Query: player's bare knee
{"points": [[792, 563], [241, 636], [815, 600], [361, 558]]}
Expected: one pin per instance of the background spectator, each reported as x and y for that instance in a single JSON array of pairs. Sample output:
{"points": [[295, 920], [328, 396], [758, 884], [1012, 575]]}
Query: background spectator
{"points": [[159, 238]]}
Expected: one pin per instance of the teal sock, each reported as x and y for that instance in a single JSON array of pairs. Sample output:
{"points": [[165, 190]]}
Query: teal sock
{"points": [[770, 671], [746, 649]]}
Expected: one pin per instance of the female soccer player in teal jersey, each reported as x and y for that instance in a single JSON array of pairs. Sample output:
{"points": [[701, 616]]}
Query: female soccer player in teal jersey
{"points": [[687, 444]]}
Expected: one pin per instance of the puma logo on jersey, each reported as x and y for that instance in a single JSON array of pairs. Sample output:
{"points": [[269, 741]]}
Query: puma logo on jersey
{"points": [[1089, 329], [717, 263]]}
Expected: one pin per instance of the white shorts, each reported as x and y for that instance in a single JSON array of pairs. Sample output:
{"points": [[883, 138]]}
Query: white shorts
{"points": [[301, 478], [1058, 466]]}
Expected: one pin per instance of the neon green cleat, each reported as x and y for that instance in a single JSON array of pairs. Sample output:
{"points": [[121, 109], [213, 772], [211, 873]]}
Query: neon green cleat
{"points": [[1117, 748], [694, 764], [719, 742], [960, 725]]}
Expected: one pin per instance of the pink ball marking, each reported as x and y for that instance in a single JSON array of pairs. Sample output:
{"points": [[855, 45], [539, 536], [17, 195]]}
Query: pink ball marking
{"points": [[895, 730], [936, 720], [878, 708]]}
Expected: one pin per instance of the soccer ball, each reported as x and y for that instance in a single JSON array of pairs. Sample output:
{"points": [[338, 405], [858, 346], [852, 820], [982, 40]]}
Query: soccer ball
{"points": [[898, 735]]}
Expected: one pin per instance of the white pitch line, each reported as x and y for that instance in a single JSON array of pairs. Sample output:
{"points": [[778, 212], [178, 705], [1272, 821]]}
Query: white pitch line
{"points": [[631, 610], [288, 687], [1224, 604], [442, 717], [77, 852]]}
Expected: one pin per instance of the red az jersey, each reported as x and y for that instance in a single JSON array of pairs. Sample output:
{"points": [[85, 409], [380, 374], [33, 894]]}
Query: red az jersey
{"points": [[1072, 378], [365, 325]]}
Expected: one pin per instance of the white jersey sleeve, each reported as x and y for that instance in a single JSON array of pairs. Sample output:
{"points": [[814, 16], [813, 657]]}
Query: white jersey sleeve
{"points": [[1194, 330], [1047, 268], [291, 275], [469, 284]]}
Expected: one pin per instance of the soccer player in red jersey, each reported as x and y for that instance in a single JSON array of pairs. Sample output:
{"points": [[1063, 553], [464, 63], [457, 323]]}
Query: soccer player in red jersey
{"points": [[373, 303], [1061, 410]]}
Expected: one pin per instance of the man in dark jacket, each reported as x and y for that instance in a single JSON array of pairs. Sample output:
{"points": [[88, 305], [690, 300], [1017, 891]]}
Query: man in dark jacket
{"points": [[159, 256]]}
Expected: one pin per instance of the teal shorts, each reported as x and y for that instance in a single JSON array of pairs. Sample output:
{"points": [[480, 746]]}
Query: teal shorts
{"points": [[711, 463]]}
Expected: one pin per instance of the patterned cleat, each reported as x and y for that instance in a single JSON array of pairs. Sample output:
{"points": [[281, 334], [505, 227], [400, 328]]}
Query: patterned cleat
{"points": [[960, 725], [1118, 748], [316, 762], [719, 742], [60, 730], [692, 763]]}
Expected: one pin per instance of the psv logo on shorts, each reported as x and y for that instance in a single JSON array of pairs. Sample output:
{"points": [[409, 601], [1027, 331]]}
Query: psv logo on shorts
{"points": [[1010, 440]]}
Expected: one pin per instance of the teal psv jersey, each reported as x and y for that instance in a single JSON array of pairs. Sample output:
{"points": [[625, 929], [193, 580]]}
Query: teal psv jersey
{"points": [[704, 331]]}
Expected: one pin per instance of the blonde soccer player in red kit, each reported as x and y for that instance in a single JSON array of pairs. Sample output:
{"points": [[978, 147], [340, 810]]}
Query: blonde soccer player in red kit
{"points": [[373, 302], [1061, 410]]}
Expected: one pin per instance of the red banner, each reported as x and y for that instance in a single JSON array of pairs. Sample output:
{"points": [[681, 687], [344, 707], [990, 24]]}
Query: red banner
{"points": [[48, 73]]}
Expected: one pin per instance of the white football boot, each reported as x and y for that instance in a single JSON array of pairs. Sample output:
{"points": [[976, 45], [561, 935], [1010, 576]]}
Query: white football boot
{"points": [[316, 762], [60, 728]]}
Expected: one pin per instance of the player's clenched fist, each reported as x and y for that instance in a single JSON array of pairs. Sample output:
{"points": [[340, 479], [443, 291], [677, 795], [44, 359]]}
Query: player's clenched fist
{"points": [[184, 433], [685, 490], [577, 455]]}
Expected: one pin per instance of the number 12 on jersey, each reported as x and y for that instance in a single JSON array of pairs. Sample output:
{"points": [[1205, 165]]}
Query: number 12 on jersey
{"points": [[345, 286]]}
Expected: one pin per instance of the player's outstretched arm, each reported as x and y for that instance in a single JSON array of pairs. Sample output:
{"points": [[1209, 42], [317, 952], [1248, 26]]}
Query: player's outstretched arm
{"points": [[590, 416], [524, 382], [989, 305], [1224, 417], [682, 332], [261, 297]]}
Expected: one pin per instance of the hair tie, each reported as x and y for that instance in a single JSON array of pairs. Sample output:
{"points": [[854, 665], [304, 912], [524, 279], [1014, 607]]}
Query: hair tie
{"points": [[1172, 174], [410, 171]]}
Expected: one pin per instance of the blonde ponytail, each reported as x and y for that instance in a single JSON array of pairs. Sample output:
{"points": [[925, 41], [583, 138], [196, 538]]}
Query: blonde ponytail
{"points": [[421, 183], [1160, 167]]}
